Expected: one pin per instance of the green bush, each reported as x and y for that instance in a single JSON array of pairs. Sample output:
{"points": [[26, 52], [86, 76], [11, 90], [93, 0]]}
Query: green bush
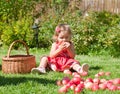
{"points": [[18, 30], [97, 32]]}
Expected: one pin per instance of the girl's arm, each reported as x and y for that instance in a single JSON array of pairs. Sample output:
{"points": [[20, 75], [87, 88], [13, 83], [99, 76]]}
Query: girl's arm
{"points": [[55, 52], [71, 51]]}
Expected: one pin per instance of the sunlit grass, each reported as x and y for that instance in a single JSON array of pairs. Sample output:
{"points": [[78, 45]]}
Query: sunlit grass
{"points": [[45, 84]]}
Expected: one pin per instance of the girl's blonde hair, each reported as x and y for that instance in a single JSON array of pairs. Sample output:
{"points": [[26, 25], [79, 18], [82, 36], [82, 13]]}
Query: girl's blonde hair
{"points": [[61, 28]]}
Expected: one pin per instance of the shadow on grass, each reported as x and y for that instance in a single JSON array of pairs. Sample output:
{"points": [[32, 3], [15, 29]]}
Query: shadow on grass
{"points": [[95, 68], [17, 80]]}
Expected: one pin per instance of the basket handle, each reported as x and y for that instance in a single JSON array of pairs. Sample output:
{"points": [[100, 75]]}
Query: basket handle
{"points": [[8, 55]]}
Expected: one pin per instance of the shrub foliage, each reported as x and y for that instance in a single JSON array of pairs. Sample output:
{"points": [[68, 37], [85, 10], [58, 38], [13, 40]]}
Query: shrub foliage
{"points": [[97, 33]]}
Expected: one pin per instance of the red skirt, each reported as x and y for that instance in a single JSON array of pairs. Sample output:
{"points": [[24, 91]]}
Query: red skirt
{"points": [[62, 63]]}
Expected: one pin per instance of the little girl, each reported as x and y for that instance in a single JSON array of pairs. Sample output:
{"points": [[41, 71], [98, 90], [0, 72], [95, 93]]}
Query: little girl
{"points": [[62, 53]]}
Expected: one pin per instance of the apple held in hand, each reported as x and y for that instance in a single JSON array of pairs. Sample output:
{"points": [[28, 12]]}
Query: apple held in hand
{"points": [[67, 44]]}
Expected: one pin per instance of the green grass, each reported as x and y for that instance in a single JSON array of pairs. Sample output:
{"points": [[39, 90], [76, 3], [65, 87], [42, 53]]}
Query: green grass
{"points": [[45, 84]]}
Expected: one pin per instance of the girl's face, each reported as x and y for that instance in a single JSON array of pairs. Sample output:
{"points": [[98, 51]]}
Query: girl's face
{"points": [[64, 37]]}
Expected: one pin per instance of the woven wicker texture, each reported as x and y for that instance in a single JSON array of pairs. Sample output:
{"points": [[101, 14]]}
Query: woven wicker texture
{"points": [[18, 63]]}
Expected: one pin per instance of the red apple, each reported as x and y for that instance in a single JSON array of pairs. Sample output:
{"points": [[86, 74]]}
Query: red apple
{"points": [[118, 87], [63, 89], [78, 89], [113, 88], [59, 82], [72, 87], [76, 80], [109, 84], [89, 80], [116, 81], [65, 80], [95, 87], [97, 75], [107, 73], [75, 74], [88, 85], [103, 80], [101, 73], [67, 72], [84, 73], [102, 86], [96, 80], [81, 85]]}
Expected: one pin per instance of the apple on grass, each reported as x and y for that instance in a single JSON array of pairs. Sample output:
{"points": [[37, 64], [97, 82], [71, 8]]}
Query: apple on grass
{"points": [[95, 87], [118, 87], [67, 72], [65, 80], [101, 73], [76, 80], [78, 89], [63, 89], [116, 81], [88, 85], [103, 80], [81, 85], [59, 82], [107, 73], [112, 88], [102, 86], [72, 87], [96, 80], [89, 80], [97, 75], [84, 73], [75, 74]]}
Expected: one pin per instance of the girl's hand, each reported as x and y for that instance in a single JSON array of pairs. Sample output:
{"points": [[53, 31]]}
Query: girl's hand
{"points": [[67, 44], [64, 45]]}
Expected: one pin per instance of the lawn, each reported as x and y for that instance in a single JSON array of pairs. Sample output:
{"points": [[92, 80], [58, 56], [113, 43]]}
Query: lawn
{"points": [[46, 84]]}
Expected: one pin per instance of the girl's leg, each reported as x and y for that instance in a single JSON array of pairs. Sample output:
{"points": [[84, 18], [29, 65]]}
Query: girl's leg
{"points": [[53, 67], [41, 67], [43, 62]]}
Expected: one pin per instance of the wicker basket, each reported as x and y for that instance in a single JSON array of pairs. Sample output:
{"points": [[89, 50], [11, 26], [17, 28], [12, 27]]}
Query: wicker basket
{"points": [[18, 63]]}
